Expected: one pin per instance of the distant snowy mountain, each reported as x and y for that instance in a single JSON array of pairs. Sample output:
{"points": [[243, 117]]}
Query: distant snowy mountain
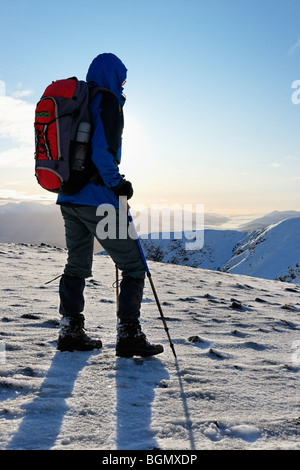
{"points": [[269, 219], [271, 253]]}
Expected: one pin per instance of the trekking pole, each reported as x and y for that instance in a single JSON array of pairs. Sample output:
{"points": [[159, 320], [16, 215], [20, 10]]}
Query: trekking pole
{"points": [[117, 288], [151, 283]]}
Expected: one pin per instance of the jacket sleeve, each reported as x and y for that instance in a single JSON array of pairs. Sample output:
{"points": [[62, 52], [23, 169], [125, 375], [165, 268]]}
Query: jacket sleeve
{"points": [[107, 138]]}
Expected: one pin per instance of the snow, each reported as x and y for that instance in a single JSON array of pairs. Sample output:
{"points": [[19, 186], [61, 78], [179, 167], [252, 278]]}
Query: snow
{"points": [[270, 253], [234, 385]]}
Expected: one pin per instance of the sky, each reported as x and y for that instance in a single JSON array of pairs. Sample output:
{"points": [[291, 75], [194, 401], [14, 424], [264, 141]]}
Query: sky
{"points": [[211, 115]]}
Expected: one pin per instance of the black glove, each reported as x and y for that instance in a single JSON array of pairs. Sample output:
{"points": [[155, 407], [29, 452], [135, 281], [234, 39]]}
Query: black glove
{"points": [[124, 188]]}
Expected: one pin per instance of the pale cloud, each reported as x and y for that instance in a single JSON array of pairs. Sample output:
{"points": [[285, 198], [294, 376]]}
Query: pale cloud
{"points": [[2, 88], [11, 195], [291, 157], [20, 156], [275, 165], [21, 93], [16, 127], [294, 47]]}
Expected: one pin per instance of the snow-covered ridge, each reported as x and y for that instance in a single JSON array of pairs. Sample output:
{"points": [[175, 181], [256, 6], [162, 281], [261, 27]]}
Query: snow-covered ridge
{"points": [[269, 253]]}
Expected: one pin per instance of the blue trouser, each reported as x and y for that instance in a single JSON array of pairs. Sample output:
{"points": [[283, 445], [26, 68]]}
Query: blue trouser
{"points": [[80, 230]]}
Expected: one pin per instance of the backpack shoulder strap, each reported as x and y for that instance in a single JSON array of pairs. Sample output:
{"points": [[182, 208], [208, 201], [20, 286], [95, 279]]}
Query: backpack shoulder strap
{"points": [[94, 90]]}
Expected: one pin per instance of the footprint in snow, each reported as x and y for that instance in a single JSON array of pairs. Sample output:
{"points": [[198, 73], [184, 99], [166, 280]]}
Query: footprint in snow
{"points": [[215, 354], [187, 299], [236, 304], [258, 299], [254, 345], [30, 316], [242, 286], [290, 307], [238, 333], [292, 289], [200, 342], [205, 344]]}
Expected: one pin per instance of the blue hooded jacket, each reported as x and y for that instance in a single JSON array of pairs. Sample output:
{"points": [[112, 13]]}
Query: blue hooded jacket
{"points": [[106, 71]]}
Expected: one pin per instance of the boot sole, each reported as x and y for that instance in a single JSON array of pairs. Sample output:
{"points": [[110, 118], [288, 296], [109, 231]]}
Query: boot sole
{"points": [[76, 347], [136, 352]]}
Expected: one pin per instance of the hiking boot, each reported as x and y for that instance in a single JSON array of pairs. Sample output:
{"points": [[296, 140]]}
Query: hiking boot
{"points": [[73, 337], [131, 341]]}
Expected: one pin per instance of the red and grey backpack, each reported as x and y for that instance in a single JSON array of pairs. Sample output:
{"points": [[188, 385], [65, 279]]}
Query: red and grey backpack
{"points": [[62, 136]]}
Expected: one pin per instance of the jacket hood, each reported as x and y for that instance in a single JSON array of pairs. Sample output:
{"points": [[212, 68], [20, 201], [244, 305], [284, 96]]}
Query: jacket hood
{"points": [[108, 71]]}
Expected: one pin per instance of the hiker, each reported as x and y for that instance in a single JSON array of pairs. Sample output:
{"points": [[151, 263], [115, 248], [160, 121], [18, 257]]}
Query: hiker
{"points": [[80, 220]]}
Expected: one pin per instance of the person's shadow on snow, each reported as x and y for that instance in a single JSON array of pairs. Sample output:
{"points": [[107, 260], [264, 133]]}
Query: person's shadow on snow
{"points": [[44, 414], [136, 381]]}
